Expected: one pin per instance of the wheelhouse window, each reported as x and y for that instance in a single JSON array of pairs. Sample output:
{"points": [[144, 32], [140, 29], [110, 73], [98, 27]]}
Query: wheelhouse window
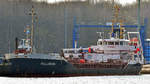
{"points": [[71, 51], [105, 43], [68, 51], [110, 43], [121, 42], [116, 43], [125, 43], [21, 42]]}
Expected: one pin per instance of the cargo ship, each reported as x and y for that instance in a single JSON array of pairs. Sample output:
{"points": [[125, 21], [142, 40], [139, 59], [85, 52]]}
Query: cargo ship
{"points": [[119, 54]]}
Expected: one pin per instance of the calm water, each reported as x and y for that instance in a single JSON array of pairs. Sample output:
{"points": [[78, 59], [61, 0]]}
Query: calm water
{"points": [[141, 79]]}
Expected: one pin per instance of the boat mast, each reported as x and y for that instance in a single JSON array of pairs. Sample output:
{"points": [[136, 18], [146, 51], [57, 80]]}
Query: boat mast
{"points": [[112, 20], [116, 10], [32, 28]]}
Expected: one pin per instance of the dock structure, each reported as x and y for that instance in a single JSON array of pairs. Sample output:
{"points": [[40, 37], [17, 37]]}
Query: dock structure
{"points": [[146, 68], [147, 51]]}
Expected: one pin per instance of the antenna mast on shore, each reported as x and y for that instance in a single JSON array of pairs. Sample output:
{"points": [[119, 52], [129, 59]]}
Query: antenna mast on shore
{"points": [[139, 14]]}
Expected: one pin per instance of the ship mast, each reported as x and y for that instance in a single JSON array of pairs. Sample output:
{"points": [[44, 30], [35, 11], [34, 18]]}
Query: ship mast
{"points": [[32, 28], [115, 20]]}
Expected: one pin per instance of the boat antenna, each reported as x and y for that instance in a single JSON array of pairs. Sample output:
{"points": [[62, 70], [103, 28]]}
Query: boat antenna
{"points": [[9, 38], [32, 28]]}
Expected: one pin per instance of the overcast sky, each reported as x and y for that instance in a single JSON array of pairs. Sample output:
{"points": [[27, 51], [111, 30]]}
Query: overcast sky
{"points": [[127, 1], [121, 1]]}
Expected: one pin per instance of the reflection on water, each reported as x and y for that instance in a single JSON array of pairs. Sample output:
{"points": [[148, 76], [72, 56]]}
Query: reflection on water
{"points": [[140, 79]]}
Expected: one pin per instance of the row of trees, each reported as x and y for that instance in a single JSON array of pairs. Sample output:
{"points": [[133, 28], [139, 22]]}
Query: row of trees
{"points": [[52, 19]]}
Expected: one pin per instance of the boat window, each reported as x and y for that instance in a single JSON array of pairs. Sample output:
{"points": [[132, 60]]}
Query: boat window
{"points": [[121, 42], [110, 43], [105, 43], [99, 43], [21, 42], [125, 43], [80, 51], [71, 51], [66, 51], [116, 43]]}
